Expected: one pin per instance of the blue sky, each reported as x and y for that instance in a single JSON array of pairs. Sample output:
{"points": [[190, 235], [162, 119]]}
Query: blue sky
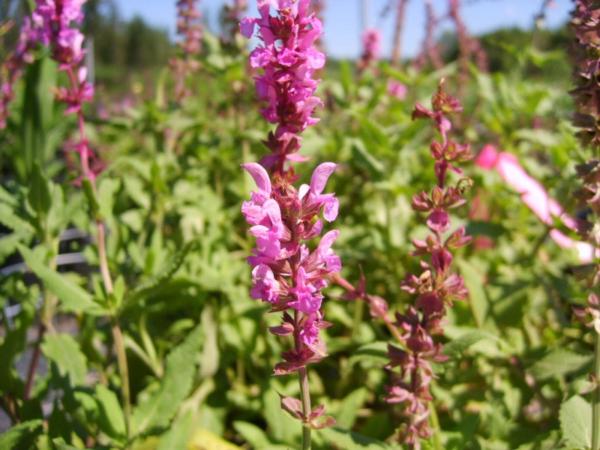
{"points": [[342, 18]]}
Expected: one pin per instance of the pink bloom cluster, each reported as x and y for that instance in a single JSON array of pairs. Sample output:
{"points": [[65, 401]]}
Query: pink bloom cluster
{"points": [[469, 46], [189, 27], [535, 197], [55, 23], [286, 273], [52, 24], [371, 42], [430, 50], [12, 68], [436, 287], [397, 89], [289, 59], [586, 26]]}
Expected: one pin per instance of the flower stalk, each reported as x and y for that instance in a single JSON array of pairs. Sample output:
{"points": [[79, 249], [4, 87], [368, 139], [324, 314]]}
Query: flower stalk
{"points": [[291, 262], [189, 28], [56, 26], [586, 27]]}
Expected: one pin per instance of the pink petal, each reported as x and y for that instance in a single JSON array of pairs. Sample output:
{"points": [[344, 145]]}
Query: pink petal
{"points": [[320, 177], [260, 176]]}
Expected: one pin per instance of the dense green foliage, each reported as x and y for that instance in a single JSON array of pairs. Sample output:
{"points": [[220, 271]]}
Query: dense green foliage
{"points": [[200, 357]]}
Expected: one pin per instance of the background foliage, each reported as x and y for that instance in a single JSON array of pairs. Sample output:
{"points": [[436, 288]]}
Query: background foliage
{"points": [[199, 352]]}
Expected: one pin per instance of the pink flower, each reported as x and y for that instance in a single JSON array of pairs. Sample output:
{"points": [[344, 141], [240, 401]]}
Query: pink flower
{"points": [[288, 60], [286, 273], [397, 89], [371, 41], [534, 196], [436, 287]]}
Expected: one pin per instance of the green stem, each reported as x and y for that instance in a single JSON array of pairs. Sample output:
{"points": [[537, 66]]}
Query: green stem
{"points": [[306, 409], [117, 333], [435, 426], [123, 371], [596, 398]]}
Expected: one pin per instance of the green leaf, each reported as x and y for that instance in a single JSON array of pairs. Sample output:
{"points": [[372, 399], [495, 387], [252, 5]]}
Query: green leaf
{"points": [[39, 191], [179, 433], [64, 351], [458, 346], [112, 420], [363, 156], [558, 363], [175, 386], [350, 406], [256, 437], [40, 79], [165, 275], [9, 219], [347, 440], [209, 361], [90, 195], [73, 298], [576, 423], [477, 296], [374, 353], [107, 190], [21, 436]]}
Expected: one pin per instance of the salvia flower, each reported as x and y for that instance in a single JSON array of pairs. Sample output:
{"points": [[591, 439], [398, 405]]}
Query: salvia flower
{"points": [[189, 28], [288, 60], [535, 197], [430, 50], [371, 52], [397, 90], [292, 260], [57, 23], [12, 69], [286, 273], [469, 46], [586, 25], [437, 286]]}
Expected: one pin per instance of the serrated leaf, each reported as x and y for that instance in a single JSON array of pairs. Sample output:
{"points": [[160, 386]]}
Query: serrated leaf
{"points": [[112, 420], [374, 353], [39, 190], [558, 363], [175, 386], [106, 196], [458, 346], [340, 439], [165, 275], [64, 351], [349, 408], [72, 297], [179, 433], [576, 423], [477, 296], [9, 219], [21, 436]]}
